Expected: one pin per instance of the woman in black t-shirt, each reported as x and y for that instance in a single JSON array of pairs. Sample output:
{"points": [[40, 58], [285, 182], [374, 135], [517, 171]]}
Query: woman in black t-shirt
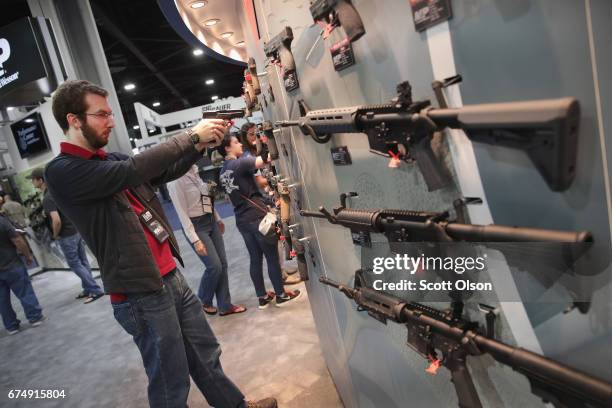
{"points": [[238, 182]]}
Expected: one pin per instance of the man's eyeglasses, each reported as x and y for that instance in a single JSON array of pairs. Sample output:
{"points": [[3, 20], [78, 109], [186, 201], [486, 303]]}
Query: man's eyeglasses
{"points": [[101, 115]]}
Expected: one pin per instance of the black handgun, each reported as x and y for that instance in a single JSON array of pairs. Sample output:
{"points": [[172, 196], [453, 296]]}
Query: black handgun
{"points": [[225, 114], [250, 75], [268, 131], [338, 13], [278, 50]]}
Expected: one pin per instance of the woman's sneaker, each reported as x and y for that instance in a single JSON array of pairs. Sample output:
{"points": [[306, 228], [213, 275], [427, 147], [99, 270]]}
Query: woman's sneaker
{"points": [[287, 297], [265, 301]]}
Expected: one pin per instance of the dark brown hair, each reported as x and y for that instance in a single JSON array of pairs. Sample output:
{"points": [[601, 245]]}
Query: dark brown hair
{"points": [[70, 98], [226, 142], [244, 130]]}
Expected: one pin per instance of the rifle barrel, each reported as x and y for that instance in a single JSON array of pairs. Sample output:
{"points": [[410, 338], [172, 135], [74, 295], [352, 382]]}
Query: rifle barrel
{"points": [[501, 233], [306, 213], [287, 123], [329, 282]]}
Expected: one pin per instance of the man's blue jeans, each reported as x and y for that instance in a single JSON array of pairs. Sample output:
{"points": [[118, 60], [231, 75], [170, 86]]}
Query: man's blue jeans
{"points": [[16, 279], [258, 247], [175, 341], [215, 280], [73, 248]]}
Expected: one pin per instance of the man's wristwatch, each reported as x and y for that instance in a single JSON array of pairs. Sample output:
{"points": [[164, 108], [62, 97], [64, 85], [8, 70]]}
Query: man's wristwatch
{"points": [[195, 138]]}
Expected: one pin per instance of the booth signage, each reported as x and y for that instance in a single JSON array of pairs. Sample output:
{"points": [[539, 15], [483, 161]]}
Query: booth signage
{"points": [[21, 61]]}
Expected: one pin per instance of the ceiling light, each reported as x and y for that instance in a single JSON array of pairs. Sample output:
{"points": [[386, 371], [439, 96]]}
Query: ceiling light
{"points": [[239, 44], [9, 108], [156, 104], [210, 81], [129, 87], [197, 52], [151, 130], [29, 120], [135, 127], [214, 97], [197, 4], [227, 34], [211, 22]]}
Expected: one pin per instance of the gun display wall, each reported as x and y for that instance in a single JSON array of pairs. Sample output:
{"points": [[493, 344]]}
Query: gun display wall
{"points": [[329, 71]]}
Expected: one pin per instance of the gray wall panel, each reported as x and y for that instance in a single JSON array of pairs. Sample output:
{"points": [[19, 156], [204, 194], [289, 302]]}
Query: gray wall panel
{"points": [[535, 49], [369, 362]]}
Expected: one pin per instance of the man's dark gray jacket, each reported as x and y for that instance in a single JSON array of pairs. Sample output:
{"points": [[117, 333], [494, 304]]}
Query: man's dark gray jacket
{"points": [[91, 194]]}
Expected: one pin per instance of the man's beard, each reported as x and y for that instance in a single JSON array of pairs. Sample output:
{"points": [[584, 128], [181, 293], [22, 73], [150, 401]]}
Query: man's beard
{"points": [[92, 138]]}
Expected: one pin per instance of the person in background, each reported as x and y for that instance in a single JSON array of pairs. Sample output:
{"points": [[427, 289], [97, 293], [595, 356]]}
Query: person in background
{"points": [[69, 239], [110, 197], [14, 211], [250, 209], [203, 228], [14, 277], [248, 138]]}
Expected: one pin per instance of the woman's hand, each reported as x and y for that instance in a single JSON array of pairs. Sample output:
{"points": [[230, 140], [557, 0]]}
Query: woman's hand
{"points": [[200, 248], [221, 227]]}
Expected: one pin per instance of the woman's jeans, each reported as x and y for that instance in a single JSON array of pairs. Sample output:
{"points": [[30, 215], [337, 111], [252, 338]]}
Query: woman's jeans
{"points": [[73, 248], [175, 341], [215, 280], [258, 247]]}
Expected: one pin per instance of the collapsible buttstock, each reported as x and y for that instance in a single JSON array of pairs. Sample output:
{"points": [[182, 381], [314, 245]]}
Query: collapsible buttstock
{"points": [[547, 130]]}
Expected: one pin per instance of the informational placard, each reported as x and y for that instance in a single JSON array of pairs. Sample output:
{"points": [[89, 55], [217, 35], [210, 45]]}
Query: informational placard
{"points": [[341, 156], [30, 135], [290, 81], [428, 13], [342, 55]]}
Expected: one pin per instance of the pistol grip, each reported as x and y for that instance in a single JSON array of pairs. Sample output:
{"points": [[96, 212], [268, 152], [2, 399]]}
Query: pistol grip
{"points": [[428, 164], [350, 20], [302, 266], [464, 386], [286, 58]]}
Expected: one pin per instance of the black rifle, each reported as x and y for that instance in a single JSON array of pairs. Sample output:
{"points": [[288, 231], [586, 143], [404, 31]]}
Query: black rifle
{"points": [[226, 114], [547, 130], [338, 13], [412, 226], [278, 50], [431, 331]]}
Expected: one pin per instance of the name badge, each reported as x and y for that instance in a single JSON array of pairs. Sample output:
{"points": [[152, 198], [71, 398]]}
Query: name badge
{"points": [[207, 206], [158, 230]]}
